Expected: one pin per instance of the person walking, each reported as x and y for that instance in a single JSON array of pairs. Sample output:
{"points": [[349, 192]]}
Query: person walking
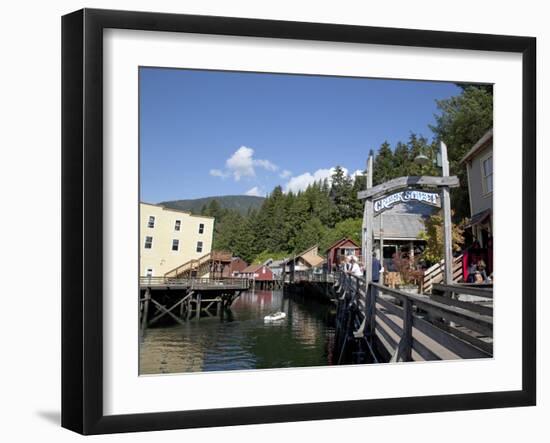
{"points": [[376, 267], [355, 269]]}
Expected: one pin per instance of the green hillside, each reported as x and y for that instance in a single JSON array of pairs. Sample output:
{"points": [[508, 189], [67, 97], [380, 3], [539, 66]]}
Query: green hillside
{"points": [[240, 203]]}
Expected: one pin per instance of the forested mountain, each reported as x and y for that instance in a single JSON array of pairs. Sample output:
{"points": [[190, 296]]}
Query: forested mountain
{"points": [[240, 203]]}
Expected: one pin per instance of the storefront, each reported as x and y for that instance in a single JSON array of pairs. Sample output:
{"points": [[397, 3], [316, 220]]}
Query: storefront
{"points": [[398, 230]]}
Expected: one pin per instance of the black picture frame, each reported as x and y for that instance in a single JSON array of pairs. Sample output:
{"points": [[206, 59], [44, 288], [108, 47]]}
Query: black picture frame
{"points": [[82, 230]]}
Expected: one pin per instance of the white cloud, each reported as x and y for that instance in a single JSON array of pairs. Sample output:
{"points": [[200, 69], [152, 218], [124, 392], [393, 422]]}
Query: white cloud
{"points": [[266, 164], [285, 174], [254, 191], [218, 173], [301, 182], [242, 164]]}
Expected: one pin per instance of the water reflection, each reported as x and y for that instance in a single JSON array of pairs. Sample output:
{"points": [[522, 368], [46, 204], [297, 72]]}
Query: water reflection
{"points": [[242, 340]]}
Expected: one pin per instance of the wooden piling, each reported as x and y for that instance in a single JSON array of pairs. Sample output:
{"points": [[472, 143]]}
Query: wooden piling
{"points": [[145, 311], [198, 307], [188, 308]]}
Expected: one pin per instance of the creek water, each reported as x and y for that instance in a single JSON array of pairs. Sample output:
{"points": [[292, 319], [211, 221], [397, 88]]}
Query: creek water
{"points": [[241, 339]]}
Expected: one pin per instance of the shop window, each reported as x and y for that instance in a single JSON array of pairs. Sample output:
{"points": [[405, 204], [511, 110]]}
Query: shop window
{"points": [[487, 173]]}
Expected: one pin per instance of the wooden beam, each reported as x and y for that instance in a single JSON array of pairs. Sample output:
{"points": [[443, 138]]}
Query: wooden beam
{"points": [[166, 311], [404, 182], [464, 289], [368, 226], [405, 352], [447, 222], [471, 306]]}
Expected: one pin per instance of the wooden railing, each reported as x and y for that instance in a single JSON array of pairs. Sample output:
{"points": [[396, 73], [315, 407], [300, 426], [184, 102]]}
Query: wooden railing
{"points": [[194, 283], [398, 326], [436, 273], [321, 277], [200, 265]]}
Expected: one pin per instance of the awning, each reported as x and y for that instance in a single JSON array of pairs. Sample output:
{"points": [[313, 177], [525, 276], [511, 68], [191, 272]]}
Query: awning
{"points": [[478, 218]]}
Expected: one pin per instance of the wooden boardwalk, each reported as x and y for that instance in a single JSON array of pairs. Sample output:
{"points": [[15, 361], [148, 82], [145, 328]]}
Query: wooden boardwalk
{"points": [[387, 325]]}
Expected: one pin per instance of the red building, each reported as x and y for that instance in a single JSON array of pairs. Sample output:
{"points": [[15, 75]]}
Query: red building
{"points": [[339, 250], [233, 268], [256, 272]]}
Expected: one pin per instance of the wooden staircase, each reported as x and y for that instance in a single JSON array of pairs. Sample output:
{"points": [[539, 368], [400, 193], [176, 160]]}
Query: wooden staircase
{"points": [[199, 267], [435, 274]]}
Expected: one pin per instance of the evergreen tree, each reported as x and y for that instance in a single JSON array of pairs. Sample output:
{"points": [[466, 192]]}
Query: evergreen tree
{"points": [[383, 168], [311, 233], [462, 121], [244, 244], [401, 160], [297, 216], [359, 184], [341, 194], [350, 228], [420, 146]]}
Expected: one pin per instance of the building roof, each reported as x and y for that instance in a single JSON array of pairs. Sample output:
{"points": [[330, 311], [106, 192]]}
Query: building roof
{"points": [[400, 226], [252, 268], [313, 259], [339, 242], [165, 208], [276, 263], [404, 221], [478, 218], [480, 144], [310, 256], [224, 256]]}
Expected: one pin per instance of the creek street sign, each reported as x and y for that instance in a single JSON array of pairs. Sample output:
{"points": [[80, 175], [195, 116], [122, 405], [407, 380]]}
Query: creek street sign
{"points": [[429, 198]]}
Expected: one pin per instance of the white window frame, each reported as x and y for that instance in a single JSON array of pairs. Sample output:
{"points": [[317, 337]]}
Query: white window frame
{"points": [[201, 228], [484, 158], [149, 274], [177, 226], [145, 242], [149, 221], [177, 245], [201, 247]]}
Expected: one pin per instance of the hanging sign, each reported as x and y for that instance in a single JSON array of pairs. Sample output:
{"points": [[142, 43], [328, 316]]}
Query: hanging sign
{"points": [[429, 198]]}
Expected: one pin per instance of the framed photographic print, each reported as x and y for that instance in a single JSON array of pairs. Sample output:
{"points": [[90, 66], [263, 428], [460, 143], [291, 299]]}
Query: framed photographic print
{"points": [[302, 218]]}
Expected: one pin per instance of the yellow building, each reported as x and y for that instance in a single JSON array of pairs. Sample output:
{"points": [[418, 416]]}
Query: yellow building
{"points": [[170, 238]]}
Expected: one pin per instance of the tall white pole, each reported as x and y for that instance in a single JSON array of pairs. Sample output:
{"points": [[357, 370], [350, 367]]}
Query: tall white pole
{"points": [[447, 222], [368, 226]]}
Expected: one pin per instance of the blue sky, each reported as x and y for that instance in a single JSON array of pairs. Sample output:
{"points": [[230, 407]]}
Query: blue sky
{"points": [[205, 133]]}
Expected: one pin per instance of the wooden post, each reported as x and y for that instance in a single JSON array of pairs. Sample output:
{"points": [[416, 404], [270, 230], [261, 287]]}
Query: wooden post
{"points": [[367, 226], [381, 258], [407, 331], [447, 222], [198, 306], [182, 306], [371, 309], [189, 307], [145, 312]]}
